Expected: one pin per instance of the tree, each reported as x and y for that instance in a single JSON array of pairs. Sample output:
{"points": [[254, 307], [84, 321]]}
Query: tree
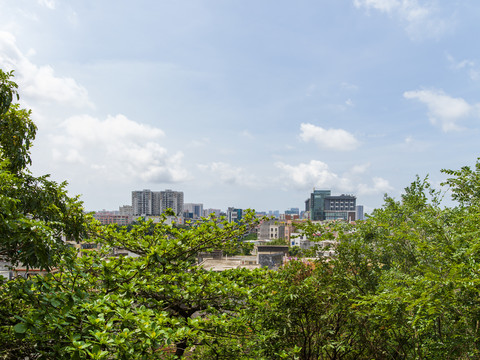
{"points": [[403, 284], [148, 306], [424, 291], [36, 214]]}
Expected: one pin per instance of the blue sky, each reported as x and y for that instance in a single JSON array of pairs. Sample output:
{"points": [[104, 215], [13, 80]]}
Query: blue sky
{"points": [[246, 103]]}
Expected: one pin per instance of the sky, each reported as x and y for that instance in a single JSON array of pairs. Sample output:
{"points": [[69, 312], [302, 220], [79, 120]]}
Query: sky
{"points": [[250, 104]]}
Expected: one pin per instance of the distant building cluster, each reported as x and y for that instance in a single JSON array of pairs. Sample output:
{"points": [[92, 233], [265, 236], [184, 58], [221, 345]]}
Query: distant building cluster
{"points": [[281, 228], [148, 204]]}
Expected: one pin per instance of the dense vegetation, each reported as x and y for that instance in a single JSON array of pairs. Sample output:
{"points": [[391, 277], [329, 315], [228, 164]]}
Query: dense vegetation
{"points": [[404, 284]]}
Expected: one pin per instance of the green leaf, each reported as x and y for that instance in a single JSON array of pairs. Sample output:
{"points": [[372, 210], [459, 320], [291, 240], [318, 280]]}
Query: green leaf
{"points": [[20, 328]]}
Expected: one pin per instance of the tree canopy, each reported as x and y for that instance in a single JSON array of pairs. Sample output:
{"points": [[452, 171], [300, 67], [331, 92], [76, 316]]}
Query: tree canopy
{"points": [[36, 214]]}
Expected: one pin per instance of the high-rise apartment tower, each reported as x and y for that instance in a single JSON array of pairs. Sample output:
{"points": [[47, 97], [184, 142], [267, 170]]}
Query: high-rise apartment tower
{"points": [[153, 203]]}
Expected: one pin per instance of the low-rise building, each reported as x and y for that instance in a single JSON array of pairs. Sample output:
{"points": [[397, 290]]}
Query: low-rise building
{"points": [[271, 230], [111, 217]]}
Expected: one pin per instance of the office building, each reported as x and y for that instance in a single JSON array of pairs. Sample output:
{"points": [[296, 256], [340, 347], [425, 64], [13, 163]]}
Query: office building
{"points": [[126, 210], [342, 207], [316, 204], [274, 213], [234, 215], [323, 206], [360, 213], [193, 211], [292, 211], [209, 212]]}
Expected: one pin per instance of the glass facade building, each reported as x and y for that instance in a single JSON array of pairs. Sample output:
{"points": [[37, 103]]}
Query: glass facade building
{"points": [[323, 206]]}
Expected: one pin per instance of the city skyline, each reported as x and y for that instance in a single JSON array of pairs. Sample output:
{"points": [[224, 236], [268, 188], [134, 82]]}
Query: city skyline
{"points": [[321, 205], [246, 105]]}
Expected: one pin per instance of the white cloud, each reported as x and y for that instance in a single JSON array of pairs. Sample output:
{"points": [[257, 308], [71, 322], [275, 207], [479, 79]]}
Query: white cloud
{"points": [[335, 139], [247, 134], [474, 74], [314, 174], [414, 145], [317, 174], [198, 143], [382, 5], [349, 87], [443, 110], [47, 3], [39, 83], [117, 148], [230, 175], [73, 19], [420, 19], [459, 64], [360, 169], [469, 66], [379, 186]]}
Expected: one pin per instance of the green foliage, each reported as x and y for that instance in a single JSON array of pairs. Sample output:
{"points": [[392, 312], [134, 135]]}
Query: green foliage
{"points": [[307, 314], [278, 241], [464, 184], [8, 91], [140, 307], [403, 284], [36, 214], [17, 130], [251, 236], [294, 251]]}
